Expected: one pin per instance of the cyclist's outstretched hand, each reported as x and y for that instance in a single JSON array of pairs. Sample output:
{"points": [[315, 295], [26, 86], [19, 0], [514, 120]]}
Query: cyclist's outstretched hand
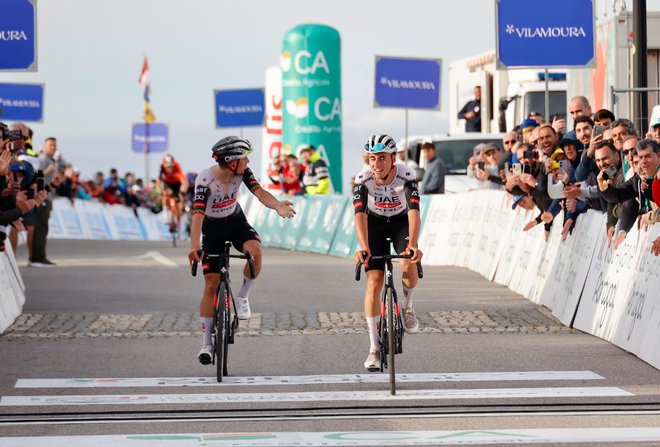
{"points": [[416, 254], [362, 256], [284, 209], [195, 256]]}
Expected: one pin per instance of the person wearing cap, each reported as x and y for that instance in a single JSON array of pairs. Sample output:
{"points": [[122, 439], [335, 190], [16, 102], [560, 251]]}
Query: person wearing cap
{"points": [[654, 130], [402, 158], [433, 181], [526, 128], [317, 176], [471, 112], [487, 169]]}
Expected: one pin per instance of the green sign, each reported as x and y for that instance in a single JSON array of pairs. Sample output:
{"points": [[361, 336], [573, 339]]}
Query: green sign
{"points": [[311, 94]]}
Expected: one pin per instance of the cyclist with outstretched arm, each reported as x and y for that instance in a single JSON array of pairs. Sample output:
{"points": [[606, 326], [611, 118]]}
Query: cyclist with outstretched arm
{"points": [[217, 218], [386, 202]]}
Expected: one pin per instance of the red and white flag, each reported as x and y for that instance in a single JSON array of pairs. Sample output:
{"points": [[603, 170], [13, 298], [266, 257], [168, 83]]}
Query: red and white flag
{"points": [[144, 76]]}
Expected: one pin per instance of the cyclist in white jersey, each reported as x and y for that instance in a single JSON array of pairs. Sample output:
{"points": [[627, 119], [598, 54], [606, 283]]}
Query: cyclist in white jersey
{"points": [[386, 203], [217, 218]]}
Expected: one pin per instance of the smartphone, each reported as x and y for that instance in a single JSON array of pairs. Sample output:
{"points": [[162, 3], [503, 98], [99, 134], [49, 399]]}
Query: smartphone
{"points": [[598, 130], [30, 193], [526, 169], [40, 184], [517, 169], [506, 166], [14, 176], [610, 172], [481, 165], [563, 167]]}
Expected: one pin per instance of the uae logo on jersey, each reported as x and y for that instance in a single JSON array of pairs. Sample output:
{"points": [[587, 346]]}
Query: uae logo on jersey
{"points": [[387, 202]]}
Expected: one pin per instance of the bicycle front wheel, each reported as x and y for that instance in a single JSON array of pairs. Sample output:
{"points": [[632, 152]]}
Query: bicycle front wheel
{"points": [[391, 340], [221, 331]]}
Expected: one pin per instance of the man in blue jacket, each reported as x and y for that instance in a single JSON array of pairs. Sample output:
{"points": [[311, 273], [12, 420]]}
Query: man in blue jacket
{"points": [[471, 112]]}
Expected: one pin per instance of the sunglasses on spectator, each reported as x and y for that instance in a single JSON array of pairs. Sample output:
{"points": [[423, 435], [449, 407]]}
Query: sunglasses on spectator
{"points": [[510, 142]]}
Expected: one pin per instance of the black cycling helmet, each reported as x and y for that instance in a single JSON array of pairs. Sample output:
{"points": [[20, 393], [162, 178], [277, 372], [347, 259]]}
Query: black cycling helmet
{"points": [[230, 148]]}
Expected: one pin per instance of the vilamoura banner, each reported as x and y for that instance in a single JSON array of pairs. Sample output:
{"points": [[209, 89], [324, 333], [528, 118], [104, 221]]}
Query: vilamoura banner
{"points": [[311, 93]]}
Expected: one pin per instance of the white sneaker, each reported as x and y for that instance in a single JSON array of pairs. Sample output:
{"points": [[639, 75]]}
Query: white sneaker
{"points": [[243, 311], [205, 355], [410, 323], [373, 361]]}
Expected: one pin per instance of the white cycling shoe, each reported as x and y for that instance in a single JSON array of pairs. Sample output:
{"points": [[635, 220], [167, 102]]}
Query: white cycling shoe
{"points": [[373, 361], [205, 355], [243, 311]]}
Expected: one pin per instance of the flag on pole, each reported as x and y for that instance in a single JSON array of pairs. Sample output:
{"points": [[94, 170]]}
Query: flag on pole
{"points": [[143, 80]]}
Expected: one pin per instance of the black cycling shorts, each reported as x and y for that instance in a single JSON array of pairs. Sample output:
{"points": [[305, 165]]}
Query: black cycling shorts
{"points": [[175, 187], [378, 229], [235, 229]]}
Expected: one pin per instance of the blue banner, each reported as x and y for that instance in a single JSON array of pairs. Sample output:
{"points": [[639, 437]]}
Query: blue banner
{"points": [[408, 83], [158, 137], [557, 33], [21, 102], [239, 108], [18, 37]]}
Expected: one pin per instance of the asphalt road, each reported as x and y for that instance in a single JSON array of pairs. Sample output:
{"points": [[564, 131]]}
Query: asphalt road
{"points": [[487, 366]]}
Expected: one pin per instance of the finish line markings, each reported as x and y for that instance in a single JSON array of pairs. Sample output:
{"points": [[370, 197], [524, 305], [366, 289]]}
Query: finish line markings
{"points": [[313, 439], [305, 380], [313, 396]]}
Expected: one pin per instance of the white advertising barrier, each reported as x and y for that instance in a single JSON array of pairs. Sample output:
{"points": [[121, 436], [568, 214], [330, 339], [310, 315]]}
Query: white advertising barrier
{"points": [[526, 260], [499, 241], [603, 300], [469, 243], [562, 293], [122, 223], [513, 247], [546, 262], [12, 289], [486, 253], [437, 230], [643, 308], [92, 220], [68, 218], [154, 226], [55, 226]]}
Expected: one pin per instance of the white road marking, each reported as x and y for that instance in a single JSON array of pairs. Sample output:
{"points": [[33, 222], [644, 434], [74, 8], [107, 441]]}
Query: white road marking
{"points": [[312, 396], [383, 438], [156, 256], [306, 380]]}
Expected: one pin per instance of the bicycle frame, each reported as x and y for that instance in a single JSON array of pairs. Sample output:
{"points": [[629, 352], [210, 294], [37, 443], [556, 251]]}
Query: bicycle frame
{"points": [[390, 327], [223, 302]]}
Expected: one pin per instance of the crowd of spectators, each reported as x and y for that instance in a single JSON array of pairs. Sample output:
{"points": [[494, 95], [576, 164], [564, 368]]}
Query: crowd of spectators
{"points": [[604, 163], [30, 178]]}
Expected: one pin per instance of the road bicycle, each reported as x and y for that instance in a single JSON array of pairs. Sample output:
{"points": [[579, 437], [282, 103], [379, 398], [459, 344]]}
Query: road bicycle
{"points": [[225, 320], [390, 325]]}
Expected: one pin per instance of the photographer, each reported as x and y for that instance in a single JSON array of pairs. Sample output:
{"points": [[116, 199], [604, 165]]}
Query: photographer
{"points": [[49, 167], [19, 195], [608, 161]]}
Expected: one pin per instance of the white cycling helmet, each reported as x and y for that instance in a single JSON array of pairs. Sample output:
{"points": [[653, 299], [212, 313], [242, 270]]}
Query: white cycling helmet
{"points": [[380, 143]]}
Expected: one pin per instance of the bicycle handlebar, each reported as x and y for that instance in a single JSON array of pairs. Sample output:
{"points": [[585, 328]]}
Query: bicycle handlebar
{"points": [[358, 266], [247, 256]]}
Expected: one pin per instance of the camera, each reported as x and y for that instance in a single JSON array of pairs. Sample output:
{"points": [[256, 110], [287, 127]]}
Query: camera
{"points": [[610, 172], [11, 135]]}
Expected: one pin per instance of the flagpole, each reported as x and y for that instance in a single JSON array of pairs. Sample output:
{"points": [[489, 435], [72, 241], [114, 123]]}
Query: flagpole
{"points": [[146, 151]]}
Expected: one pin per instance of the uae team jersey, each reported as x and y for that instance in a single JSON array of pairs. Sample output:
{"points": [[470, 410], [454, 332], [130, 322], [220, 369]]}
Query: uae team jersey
{"points": [[389, 200], [215, 203]]}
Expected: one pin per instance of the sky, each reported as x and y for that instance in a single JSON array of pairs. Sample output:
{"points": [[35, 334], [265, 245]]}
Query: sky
{"points": [[90, 54]]}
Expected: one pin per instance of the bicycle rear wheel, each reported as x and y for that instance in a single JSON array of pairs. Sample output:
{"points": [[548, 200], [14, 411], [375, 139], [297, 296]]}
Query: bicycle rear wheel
{"points": [[221, 331], [391, 342]]}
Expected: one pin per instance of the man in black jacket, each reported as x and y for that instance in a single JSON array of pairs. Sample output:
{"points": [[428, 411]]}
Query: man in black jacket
{"points": [[471, 112]]}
